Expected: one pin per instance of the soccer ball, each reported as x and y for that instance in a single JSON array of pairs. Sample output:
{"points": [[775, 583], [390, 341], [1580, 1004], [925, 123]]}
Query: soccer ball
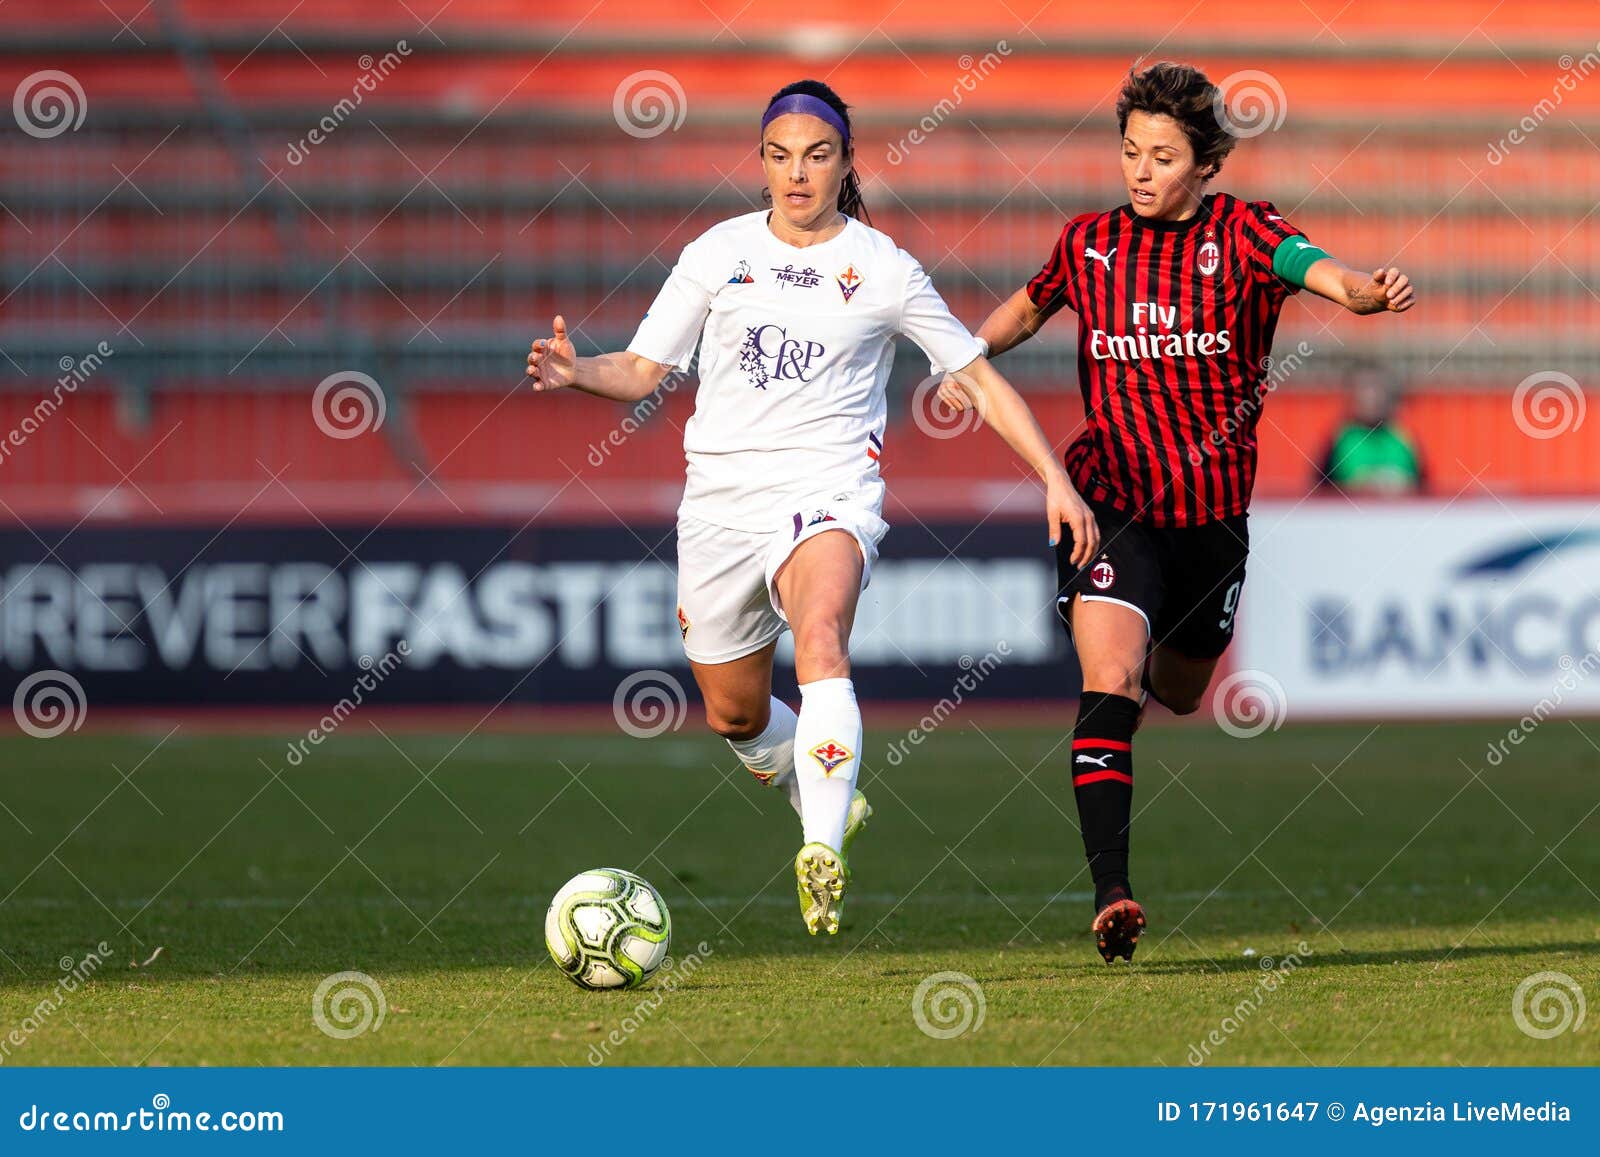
{"points": [[608, 928]]}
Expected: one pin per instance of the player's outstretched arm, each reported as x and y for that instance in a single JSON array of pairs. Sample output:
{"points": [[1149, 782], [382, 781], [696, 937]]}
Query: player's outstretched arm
{"points": [[1386, 289], [553, 364], [1013, 322], [999, 404]]}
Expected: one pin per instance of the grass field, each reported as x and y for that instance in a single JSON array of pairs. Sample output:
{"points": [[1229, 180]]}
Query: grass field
{"points": [[1424, 895]]}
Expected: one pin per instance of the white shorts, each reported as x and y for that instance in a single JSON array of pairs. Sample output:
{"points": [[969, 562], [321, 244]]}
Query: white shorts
{"points": [[728, 604]]}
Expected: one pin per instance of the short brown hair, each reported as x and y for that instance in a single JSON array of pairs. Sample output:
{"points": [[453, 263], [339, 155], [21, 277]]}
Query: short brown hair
{"points": [[1182, 92]]}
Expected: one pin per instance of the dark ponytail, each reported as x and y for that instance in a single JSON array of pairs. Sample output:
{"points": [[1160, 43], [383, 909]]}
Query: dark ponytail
{"points": [[850, 202]]}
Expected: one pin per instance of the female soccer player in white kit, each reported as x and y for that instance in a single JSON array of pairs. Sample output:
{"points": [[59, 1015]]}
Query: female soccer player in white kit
{"points": [[795, 311]]}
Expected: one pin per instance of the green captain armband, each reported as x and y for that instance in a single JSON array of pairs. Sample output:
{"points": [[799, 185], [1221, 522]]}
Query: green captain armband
{"points": [[1293, 257]]}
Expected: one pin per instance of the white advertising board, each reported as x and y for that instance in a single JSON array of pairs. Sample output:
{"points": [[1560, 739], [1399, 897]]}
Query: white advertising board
{"points": [[1472, 607]]}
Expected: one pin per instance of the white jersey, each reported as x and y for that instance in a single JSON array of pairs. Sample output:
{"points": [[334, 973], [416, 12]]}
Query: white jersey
{"points": [[795, 354]]}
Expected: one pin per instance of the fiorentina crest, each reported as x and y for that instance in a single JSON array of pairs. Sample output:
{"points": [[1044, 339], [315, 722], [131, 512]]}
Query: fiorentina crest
{"points": [[849, 281], [830, 754]]}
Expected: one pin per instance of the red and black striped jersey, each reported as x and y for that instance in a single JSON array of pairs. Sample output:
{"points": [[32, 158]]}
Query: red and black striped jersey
{"points": [[1175, 325]]}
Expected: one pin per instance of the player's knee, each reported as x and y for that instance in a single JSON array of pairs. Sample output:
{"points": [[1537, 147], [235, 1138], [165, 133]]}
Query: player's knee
{"points": [[732, 720], [1182, 703], [1181, 697]]}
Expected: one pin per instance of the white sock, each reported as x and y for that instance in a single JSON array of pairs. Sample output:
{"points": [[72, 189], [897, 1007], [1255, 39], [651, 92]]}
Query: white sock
{"points": [[827, 757], [770, 755]]}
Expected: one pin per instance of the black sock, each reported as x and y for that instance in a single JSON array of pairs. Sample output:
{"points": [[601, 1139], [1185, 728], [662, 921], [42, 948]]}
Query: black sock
{"points": [[1102, 782]]}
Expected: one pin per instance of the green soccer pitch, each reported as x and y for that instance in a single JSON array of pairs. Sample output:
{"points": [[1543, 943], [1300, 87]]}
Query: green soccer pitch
{"points": [[1401, 886]]}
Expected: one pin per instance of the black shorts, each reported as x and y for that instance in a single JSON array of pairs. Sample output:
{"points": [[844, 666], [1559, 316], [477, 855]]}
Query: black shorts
{"points": [[1184, 580]]}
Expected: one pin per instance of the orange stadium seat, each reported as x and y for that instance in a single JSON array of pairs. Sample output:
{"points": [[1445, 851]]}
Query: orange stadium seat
{"points": [[501, 191]]}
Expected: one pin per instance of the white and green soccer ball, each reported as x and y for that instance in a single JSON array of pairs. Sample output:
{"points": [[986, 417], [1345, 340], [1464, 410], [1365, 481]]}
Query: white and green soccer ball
{"points": [[608, 928]]}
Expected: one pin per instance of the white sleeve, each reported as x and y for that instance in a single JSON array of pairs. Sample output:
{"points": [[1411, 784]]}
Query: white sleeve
{"points": [[926, 320], [671, 329]]}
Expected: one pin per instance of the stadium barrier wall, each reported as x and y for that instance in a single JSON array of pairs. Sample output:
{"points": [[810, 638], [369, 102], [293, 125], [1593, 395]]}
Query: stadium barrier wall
{"points": [[483, 614], [1351, 609], [1476, 607]]}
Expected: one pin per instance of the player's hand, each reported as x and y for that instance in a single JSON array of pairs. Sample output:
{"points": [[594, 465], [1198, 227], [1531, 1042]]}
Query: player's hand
{"points": [[951, 394], [1392, 289], [1066, 505], [552, 361]]}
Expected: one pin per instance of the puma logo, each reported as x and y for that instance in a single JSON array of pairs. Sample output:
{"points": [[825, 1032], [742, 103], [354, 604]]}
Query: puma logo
{"points": [[1103, 258], [1097, 760]]}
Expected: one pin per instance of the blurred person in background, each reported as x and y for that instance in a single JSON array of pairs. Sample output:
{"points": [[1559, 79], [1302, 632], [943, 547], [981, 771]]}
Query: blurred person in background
{"points": [[1369, 452]]}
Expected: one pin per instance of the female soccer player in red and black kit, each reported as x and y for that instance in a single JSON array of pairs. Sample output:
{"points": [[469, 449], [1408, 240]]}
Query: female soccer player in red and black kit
{"points": [[1177, 295]]}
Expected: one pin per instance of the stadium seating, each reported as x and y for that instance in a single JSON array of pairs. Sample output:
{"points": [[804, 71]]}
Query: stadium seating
{"points": [[485, 183]]}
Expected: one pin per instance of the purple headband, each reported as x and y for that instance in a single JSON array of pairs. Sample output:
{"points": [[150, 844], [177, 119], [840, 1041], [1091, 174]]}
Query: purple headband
{"points": [[802, 102]]}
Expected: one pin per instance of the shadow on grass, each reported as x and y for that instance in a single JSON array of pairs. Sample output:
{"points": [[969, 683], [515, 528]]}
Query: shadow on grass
{"points": [[1340, 958]]}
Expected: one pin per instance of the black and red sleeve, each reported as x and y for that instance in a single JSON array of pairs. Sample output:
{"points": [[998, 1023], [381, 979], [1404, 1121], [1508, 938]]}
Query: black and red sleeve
{"points": [[1055, 285], [1260, 230]]}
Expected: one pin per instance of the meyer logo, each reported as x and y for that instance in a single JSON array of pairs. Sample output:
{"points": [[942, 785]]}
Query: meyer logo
{"points": [[804, 278], [770, 354], [1168, 342]]}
